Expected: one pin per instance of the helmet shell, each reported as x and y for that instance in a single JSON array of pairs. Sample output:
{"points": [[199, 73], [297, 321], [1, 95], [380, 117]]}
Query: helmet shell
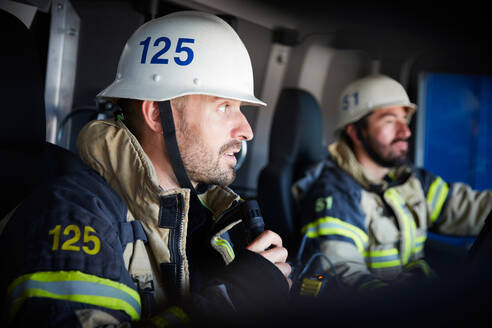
{"points": [[365, 95], [187, 52]]}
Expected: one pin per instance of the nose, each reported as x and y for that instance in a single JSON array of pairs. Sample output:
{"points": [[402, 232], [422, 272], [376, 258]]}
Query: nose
{"points": [[404, 131], [241, 130]]}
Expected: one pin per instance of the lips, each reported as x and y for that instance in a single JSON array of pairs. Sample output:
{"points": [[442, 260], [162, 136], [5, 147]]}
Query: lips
{"points": [[233, 151], [230, 149], [229, 155]]}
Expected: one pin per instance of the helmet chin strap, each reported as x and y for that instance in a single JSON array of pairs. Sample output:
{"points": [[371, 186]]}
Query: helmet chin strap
{"points": [[196, 213], [370, 150], [169, 132]]}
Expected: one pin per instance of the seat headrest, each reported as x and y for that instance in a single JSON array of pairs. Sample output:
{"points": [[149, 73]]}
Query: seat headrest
{"points": [[23, 121], [297, 129]]}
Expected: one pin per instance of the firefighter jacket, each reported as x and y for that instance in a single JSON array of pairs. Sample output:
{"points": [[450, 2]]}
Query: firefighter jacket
{"points": [[374, 234], [107, 246]]}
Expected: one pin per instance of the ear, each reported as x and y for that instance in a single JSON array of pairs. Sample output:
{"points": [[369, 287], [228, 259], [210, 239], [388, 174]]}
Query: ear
{"points": [[352, 134], [152, 116]]}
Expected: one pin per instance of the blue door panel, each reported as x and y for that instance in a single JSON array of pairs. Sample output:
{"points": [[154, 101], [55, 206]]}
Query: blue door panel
{"points": [[458, 128]]}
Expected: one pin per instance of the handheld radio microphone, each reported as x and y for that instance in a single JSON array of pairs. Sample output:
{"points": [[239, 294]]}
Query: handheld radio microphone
{"points": [[253, 221]]}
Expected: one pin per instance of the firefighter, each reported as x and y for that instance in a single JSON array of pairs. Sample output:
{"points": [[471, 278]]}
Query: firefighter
{"points": [[366, 210], [143, 235]]}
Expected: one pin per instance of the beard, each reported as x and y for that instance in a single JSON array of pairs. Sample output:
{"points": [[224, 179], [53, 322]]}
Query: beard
{"points": [[202, 164], [385, 155]]}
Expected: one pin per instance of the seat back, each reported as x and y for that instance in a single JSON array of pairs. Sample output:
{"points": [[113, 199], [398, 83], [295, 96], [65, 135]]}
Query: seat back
{"points": [[296, 143], [26, 159]]}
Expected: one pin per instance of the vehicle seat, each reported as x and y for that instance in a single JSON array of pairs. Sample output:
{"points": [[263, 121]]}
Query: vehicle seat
{"points": [[296, 143], [26, 159]]}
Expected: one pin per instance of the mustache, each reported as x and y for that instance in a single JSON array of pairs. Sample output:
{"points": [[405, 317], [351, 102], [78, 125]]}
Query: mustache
{"points": [[232, 145]]}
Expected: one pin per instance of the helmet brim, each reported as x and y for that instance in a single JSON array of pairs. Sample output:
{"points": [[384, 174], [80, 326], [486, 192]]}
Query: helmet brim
{"points": [[120, 89]]}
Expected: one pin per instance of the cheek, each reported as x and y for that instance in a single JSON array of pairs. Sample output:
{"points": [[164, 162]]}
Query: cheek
{"points": [[219, 129], [213, 136], [215, 130], [384, 135]]}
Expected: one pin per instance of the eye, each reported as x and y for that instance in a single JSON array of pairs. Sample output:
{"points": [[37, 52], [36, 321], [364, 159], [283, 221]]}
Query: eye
{"points": [[389, 120], [223, 108]]}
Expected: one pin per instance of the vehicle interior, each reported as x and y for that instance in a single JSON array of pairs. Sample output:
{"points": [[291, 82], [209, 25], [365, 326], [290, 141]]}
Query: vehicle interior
{"points": [[59, 54]]}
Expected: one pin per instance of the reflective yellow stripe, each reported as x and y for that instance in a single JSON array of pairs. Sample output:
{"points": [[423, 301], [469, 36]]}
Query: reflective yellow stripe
{"points": [[159, 322], [372, 284], [74, 286], [341, 232], [436, 196], [422, 264], [413, 230], [382, 252], [383, 258], [173, 316], [333, 226], [224, 243], [419, 244], [407, 225], [388, 264], [180, 314]]}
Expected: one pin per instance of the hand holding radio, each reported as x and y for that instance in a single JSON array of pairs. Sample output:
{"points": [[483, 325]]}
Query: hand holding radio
{"points": [[269, 245]]}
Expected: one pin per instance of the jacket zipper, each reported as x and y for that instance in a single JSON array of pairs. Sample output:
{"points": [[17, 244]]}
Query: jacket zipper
{"points": [[178, 257], [175, 235]]}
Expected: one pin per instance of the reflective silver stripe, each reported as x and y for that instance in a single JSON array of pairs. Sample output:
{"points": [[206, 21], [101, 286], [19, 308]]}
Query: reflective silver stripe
{"points": [[221, 242], [436, 196], [419, 244], [77, 287], [382, 258]]}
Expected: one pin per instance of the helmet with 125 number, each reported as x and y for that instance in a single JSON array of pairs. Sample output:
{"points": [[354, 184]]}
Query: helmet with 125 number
{"points": [[183, 53]]}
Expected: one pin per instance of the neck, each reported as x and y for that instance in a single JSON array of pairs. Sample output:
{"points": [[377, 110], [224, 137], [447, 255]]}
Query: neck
{"points": [[372, 169], [165, 174], [157, 153]]}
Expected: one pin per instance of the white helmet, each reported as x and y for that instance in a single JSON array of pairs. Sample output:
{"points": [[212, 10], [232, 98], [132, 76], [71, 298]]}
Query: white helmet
{"points": [[187, 52], [367, 94]]}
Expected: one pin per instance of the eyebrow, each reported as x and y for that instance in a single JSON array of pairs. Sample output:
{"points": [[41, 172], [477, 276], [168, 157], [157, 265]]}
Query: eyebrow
{"points": [[386, 114], [220, 100]]}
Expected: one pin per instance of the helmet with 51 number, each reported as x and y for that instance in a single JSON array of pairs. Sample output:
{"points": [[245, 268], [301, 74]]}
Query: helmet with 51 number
{"points": [[183, 53], [363, 96]]}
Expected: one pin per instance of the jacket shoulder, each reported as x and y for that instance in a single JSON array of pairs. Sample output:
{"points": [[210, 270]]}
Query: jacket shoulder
{"points": [[334, 194], [425, 177], [70, 224]]}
